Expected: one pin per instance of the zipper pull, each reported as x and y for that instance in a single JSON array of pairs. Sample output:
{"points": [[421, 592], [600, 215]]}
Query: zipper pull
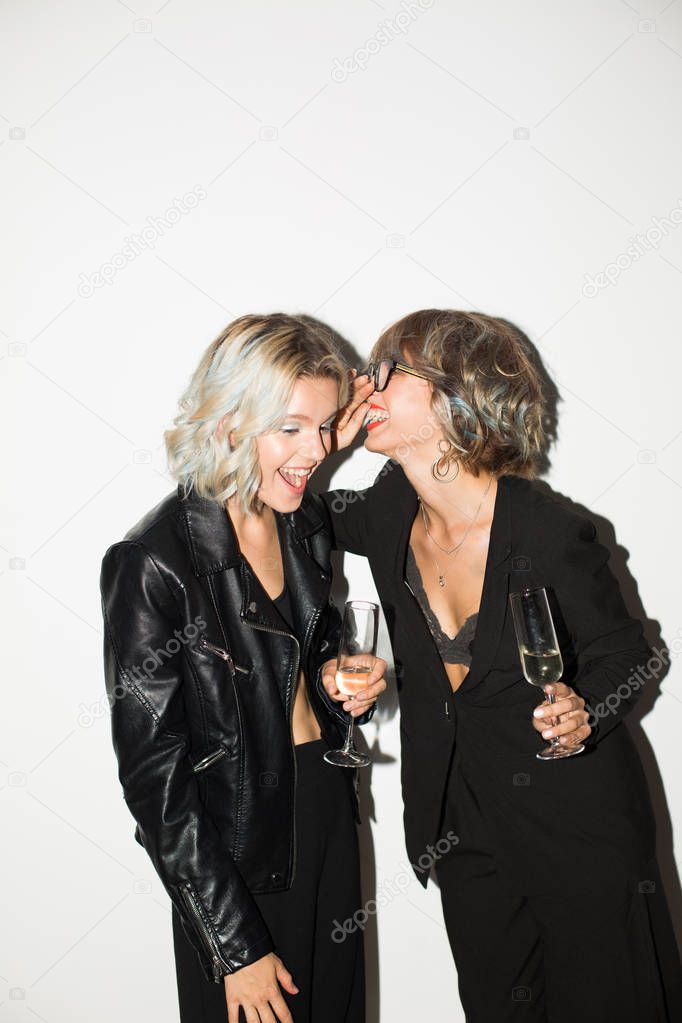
{"points": [[217, 969], [203, 642]]}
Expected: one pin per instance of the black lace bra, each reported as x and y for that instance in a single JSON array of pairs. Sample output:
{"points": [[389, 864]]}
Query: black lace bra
{"points": [[453, 649]]}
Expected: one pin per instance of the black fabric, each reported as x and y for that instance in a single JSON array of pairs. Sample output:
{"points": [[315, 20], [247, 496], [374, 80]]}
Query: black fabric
{"points": [[303, 920], [573, 838], [284, 607], [601, 819], [555, 957]]}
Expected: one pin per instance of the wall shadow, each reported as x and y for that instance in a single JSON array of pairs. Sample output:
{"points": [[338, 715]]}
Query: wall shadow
{"points": [[618, 563]]}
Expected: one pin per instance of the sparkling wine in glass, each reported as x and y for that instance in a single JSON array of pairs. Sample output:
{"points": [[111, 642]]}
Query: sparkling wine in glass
{"points": [[356, 657], [541, 659]]}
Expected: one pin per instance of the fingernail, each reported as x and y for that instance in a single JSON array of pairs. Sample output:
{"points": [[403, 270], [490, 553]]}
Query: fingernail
{"points": [[547, 732], [538, 713]]}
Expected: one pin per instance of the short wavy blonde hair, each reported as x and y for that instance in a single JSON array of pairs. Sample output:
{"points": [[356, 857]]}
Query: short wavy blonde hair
{"points": [[487, 394], [246, 376]]}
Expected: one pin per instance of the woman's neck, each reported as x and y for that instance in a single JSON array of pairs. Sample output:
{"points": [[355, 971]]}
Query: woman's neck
{"points": [[253, 530], [451, 505]]}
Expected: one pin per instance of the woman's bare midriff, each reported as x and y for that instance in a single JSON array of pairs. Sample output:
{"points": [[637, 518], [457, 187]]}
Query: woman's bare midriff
{"points": [[305, 726], [456, 674]]}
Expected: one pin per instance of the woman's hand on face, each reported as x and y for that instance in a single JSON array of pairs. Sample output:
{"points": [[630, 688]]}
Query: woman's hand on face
{"points": [[362, 701], [351, 417], [256, 988], [568, 712]]}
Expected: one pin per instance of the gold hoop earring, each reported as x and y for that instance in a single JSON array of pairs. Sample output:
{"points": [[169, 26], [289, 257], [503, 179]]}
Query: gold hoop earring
{"points": [[440, 473]]}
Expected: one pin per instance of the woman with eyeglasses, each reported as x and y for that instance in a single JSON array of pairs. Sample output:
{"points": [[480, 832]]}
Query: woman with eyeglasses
{"points": [[550, 888], [218, 627]]}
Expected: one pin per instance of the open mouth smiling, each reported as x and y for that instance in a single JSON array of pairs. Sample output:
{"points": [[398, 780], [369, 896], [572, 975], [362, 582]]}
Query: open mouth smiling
{"points": [[296, 479], [375, 417]]}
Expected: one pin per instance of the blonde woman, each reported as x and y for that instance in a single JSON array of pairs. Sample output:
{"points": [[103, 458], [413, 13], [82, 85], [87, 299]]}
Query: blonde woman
{"points": [[218, 627], [550, 887]]}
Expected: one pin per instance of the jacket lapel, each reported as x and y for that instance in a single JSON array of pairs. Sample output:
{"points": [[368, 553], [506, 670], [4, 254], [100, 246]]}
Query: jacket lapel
{"points": [[210, 536], [494, 603], [303, 575], [493, 606], [214, 548]]}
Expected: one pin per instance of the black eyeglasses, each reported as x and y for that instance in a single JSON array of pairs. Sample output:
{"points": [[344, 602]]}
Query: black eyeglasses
{"points": [[381, 372]]}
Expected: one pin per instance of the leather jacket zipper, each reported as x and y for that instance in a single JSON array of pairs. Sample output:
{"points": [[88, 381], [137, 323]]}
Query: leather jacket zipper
{"points": [[294, 675], [280, 632], [226, 656], [219, 964], [203, 642], [209, 759]]}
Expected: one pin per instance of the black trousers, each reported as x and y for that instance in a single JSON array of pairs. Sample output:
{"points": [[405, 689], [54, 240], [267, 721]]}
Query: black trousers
{"points": [[549, 959], [306, 921]]}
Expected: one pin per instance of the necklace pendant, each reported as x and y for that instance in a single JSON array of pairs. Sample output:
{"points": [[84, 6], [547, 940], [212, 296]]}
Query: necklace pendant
{"points": [[441, 580]]}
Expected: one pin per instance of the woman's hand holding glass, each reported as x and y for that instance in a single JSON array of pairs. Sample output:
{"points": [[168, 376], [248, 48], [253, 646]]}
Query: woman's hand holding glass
{"points": [[569, 713], [364, 698], [356, 670], [543, 666]]}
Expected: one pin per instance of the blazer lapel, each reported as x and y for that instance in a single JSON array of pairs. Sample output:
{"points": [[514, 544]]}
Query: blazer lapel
{"points": [[493, 606], [494, 603]]}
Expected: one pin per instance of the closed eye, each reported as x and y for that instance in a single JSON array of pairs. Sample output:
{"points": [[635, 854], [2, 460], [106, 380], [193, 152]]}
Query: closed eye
{"points": [[327, 428]]}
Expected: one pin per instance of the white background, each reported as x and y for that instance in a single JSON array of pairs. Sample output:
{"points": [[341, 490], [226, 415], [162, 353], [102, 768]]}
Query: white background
{"points": [[495, 156]]}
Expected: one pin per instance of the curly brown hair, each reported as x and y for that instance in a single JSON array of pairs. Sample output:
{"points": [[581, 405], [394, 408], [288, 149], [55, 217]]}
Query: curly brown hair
{"points": [[487, 393]]}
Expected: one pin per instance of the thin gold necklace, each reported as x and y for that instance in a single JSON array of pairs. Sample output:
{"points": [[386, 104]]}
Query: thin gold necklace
{"points": [[457, 547]]}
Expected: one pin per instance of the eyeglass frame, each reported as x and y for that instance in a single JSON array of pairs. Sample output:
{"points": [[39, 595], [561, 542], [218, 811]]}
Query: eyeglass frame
{"points": [[373, 371]]}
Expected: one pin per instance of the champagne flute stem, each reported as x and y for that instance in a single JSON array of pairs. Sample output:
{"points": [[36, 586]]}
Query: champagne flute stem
{"points": [[348, 744], [554, 742]]}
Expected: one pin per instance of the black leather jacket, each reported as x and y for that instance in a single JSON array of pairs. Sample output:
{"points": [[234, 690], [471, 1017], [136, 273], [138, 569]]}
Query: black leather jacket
{"points": [[200, 678]]}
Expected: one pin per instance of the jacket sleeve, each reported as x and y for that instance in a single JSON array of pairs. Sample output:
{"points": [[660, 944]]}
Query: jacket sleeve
{"points": [[144, 682], [609, 643], [347, 512], [327, 649]]}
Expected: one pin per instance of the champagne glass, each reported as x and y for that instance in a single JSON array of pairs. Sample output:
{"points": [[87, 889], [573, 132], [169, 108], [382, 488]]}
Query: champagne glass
{"points": [[356, 657], [541, 659]]}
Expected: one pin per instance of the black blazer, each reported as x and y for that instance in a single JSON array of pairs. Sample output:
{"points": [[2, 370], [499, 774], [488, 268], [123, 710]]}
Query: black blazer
{"points": [[589, 814]]}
